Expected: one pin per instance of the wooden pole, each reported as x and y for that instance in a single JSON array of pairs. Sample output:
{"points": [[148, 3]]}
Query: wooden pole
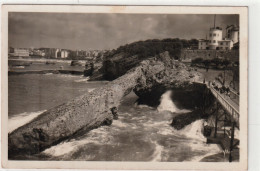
{"points": [[216, 123], [231, 141]]}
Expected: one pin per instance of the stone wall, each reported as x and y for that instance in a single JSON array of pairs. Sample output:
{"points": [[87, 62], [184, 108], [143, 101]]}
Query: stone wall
{"points": [[189, 55]]}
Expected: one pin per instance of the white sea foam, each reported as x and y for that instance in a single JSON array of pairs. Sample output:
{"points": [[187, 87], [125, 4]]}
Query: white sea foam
{"points": [[194, 130], [68, 76], [91, 89], [166, 103], [157, 155], [210, 149], [96, 136], [18, 67], [48, 74], [120, 124], [21, 119], [197, 141], [82, 80]]}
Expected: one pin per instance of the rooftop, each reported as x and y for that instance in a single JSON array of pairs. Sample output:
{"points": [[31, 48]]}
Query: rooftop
{"points": [[215, 28]]}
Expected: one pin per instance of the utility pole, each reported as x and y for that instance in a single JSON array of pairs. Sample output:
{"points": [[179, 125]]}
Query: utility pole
{"points": [[231, 142], [215, 21]]}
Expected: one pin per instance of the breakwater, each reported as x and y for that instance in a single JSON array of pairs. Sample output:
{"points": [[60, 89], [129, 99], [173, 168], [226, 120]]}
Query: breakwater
{"points": [[74, 72]]}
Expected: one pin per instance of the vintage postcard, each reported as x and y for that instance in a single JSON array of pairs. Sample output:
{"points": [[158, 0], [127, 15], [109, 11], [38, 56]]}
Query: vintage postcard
{"points": [[124, 87]]}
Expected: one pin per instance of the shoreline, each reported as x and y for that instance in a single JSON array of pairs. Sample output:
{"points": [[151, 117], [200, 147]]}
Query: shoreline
{"points": [[59, 71]]}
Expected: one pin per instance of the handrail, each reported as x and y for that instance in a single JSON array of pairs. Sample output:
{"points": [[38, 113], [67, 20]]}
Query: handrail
{"points": [[234, 92], [225, 100], [222, 98]]}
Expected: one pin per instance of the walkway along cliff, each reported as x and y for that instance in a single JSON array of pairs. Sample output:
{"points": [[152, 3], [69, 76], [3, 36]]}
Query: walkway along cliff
{"points": [[149, 79]]}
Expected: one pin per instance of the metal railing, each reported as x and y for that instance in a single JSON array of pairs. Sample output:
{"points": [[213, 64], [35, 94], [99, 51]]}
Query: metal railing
{"points": [[228, 106]]}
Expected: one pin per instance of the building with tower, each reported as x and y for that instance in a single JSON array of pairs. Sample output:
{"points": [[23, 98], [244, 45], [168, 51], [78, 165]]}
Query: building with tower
{"points": [[216, 40]]}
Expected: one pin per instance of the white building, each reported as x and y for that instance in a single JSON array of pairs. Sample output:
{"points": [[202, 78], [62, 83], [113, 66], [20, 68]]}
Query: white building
{"points": [[64, 54], [21, 52], [232, 33], [215, 35], [217, 42], [203, 44], [225, 44]]}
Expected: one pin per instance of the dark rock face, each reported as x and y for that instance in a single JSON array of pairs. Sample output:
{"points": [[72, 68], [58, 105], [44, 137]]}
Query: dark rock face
{"points": [[166, 74], [181, 121], [118, 66], [205, 107], [75, 63]]}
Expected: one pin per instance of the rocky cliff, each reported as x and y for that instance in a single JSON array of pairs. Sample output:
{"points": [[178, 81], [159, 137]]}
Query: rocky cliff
{"points": [[165, 74], [93, 109]]}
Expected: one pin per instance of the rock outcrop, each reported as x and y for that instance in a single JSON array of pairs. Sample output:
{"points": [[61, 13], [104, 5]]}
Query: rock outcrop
{"points": [[94, 109], [163, 75], [118, 65], [76, 63], [78, 115]]}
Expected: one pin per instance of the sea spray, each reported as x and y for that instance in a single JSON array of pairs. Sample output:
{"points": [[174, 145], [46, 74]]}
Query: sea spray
{"points": [[21, 119], [194, 130], [85, 79], [166, 103]]}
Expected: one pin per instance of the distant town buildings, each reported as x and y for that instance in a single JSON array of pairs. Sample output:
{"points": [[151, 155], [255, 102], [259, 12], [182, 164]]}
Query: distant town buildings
{"points": [[22, 52], [216, 41], [56, 53]]}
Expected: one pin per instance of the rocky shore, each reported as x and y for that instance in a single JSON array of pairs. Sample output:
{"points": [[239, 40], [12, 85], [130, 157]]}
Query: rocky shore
{"points": [[149, 79]]}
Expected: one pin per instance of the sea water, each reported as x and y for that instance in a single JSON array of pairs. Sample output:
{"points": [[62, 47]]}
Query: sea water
{"points": [[142, 133]]}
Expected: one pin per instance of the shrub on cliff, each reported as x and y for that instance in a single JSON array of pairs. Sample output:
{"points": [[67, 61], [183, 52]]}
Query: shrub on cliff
{"points": [[153, 47], [118, 61]]}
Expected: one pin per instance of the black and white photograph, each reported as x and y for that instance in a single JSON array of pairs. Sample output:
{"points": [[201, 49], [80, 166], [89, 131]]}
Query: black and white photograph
{"points": [[126, 87]]}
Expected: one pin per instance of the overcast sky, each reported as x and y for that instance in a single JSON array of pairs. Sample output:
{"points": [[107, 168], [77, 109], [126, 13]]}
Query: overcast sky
{"points": [[105, 31]]}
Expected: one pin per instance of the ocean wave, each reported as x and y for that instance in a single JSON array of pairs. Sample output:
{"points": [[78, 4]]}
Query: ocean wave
{"points": [[194, 130], [157, 155], [197, 142], [166, 103], [82, 80], [69, 76], [98, 136], [91, 89], [48, 74], [21, 119]]}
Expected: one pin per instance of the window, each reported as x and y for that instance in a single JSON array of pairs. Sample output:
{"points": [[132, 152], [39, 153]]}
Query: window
{"points": [[214, 35], [226, 43], [210, 35], [221, 43], [214, 41], [201, 43]]}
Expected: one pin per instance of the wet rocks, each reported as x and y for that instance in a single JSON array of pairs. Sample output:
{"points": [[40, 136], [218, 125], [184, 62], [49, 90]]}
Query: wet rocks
{"points": [[118, 65], [166, 74], [75, 63], [183, 120]]}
